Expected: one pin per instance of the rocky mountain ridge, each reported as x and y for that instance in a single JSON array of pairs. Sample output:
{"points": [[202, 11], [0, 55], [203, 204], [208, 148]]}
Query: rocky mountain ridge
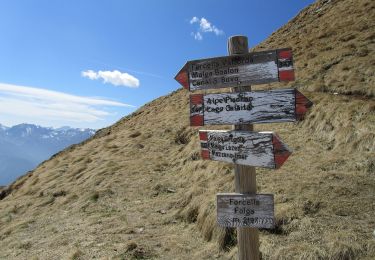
{"points": [[24, 146]]}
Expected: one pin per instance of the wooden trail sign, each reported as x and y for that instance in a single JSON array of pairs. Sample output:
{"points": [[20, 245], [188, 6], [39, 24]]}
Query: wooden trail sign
{"points": [[238, 70], [245, 210], [271, 106], [263, 149]]}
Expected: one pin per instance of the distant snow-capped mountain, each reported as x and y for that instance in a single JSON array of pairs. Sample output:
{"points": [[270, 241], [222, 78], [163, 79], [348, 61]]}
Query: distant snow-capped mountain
{"points": [[3, 128], [24, 146]]}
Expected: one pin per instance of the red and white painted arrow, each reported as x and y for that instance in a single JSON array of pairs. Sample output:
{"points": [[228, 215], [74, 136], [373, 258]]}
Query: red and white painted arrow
{"points": [[271, 106], [262, 149], [237, 70]]}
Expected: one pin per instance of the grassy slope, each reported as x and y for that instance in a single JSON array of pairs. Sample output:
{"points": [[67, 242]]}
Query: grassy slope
{"points": [[334, 44], [139, 189]]}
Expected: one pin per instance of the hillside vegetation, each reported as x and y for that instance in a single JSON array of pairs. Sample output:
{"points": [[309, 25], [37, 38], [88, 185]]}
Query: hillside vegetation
{"points": [[139, 190]]}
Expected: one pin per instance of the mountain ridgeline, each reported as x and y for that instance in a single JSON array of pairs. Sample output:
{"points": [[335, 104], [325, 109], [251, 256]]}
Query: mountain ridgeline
{"points": [[139, 189], [24, 146]]}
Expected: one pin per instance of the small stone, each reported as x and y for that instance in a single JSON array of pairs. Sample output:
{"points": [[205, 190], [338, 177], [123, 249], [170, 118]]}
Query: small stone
{"points": [[162, 211], [139, 230]]}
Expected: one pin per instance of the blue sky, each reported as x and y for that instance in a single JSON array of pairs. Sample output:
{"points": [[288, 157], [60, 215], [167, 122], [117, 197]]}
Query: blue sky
{"points": [[88, 63]]}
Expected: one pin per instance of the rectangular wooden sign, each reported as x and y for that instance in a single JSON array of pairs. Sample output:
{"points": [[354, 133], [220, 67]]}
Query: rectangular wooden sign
{"points": [[271, 106], [238, 70], [244, 210], [263, 149]]}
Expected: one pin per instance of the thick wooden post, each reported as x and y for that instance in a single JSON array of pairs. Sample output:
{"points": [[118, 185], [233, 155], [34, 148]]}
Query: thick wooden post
{"points": [[245, 176]]}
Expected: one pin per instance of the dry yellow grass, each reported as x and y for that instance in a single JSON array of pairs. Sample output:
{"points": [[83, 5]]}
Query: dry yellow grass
{"points": [[333, 43], [138, 189]]}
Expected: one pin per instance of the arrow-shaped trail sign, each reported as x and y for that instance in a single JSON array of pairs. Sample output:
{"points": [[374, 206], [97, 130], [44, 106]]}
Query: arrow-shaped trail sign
{"points": [[263, 149], [237, 70], [272, 106]]}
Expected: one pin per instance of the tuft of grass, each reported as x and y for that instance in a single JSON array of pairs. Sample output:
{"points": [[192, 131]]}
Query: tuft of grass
{"points": [[59, 193], [50, 200], [25, 245], [135, 134], [131, 246], [183, 136], [77, 254], [227, 238], [94, 197]]}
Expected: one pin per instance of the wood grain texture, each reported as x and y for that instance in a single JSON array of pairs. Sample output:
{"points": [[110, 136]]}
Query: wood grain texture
{"points": [[245, 176], [245, 210], [237, 70], [237, 44], [261, 149], [271, 106]]}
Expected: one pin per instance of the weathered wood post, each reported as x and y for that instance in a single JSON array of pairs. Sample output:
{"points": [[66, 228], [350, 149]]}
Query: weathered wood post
{"points": [[246, 149], [245, 176]]}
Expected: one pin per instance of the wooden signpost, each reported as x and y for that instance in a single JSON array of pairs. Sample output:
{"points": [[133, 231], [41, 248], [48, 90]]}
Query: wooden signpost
{"points": [[239, 70], [272, 106], [245, 210], [263, 149]]}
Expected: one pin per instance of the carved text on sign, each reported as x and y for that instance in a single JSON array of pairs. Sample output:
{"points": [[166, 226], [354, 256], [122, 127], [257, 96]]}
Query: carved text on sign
{"points": [[238, 70], [267, 106], [263, 149], [245, 210]]}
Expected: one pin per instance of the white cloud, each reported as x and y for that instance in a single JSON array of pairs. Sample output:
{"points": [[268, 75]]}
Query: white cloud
{"points": [[90, 74], [47, 107], [194, 20], [115, 77], [204, 27], [197, 36]]}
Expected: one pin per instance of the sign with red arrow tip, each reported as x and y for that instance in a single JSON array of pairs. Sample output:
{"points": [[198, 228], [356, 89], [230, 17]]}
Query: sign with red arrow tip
{"points": [[272, 106], [263, 149], [237, 70]]}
